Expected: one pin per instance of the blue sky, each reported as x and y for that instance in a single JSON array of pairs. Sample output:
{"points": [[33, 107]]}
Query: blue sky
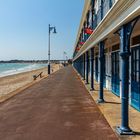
{"points": [[24, 28]]}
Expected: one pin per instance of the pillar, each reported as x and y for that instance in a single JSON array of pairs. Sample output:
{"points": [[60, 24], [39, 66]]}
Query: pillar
{"points": [[124, 129], [87, 69], [92, 68], [84, 67], [101, 75]]}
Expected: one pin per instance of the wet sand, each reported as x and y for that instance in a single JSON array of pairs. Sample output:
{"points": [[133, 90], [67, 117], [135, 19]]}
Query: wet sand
{"points": [[12, 83]]}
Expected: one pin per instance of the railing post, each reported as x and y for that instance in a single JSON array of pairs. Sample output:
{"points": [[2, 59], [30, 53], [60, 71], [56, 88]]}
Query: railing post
{"points": [[101, 58], [92, 68], [87, 69]]}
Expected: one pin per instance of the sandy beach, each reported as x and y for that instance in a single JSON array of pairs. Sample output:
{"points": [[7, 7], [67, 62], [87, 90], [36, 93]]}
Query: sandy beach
{"points": [[10, 85]]}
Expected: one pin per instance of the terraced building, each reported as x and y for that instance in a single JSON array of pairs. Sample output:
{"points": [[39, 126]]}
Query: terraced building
{"points": [[107, 50]]}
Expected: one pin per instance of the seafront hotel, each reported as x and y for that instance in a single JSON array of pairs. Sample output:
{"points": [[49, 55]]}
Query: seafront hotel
{"points": [[107, 50]]}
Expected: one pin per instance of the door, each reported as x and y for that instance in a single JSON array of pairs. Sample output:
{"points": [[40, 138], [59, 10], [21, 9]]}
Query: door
{"points": [[115, 82], [135, 78]]}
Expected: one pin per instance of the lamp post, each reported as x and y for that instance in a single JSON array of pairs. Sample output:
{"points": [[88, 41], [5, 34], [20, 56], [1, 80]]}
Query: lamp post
{"points": [[65, 56], [54, 31]]}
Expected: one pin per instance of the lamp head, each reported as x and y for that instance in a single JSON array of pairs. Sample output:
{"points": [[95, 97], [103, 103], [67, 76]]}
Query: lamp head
{"points": [[54, 30]]}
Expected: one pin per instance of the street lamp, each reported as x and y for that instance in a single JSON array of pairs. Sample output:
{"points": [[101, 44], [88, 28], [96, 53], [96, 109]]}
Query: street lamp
{"points": [[64, 56], [54, 31]]}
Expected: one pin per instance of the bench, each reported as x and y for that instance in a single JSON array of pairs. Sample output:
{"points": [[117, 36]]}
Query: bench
{"points": [[36, 76]]}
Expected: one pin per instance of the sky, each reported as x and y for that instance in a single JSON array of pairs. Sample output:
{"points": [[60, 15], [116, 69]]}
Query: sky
{"points": [[24, 28]]}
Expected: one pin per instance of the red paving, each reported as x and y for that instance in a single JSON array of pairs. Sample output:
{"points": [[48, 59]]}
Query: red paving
{"points": [[57, 108]]}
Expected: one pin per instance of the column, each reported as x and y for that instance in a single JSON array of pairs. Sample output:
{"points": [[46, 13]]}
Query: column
{"points": [[92, 67], [125, 54], [101, 75], [84, 67], [87, 69]]}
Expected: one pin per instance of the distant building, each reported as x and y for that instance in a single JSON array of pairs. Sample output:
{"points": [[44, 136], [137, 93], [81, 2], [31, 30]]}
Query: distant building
{"points": [[107, 47]]}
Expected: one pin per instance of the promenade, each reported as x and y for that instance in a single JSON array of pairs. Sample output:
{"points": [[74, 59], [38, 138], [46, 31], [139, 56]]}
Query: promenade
{"points": [[56, 108]]}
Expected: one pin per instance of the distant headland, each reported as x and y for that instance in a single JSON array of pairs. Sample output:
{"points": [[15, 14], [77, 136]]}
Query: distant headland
{"points": [[33, 61]]}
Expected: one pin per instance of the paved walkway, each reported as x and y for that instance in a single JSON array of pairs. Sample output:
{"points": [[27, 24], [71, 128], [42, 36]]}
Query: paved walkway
{"points": [[57, 108], [112, 112]]}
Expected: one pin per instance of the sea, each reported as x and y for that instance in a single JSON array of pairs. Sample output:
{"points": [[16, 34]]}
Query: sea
{"points": [[15, 68]]}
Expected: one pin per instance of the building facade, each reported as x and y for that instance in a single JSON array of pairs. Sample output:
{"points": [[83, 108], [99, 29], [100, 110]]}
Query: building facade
{"points": [[107, 50]]}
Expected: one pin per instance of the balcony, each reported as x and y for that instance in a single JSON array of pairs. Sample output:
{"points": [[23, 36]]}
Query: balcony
{"points": [[100, 14], [103, 10], [121, 13]]}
